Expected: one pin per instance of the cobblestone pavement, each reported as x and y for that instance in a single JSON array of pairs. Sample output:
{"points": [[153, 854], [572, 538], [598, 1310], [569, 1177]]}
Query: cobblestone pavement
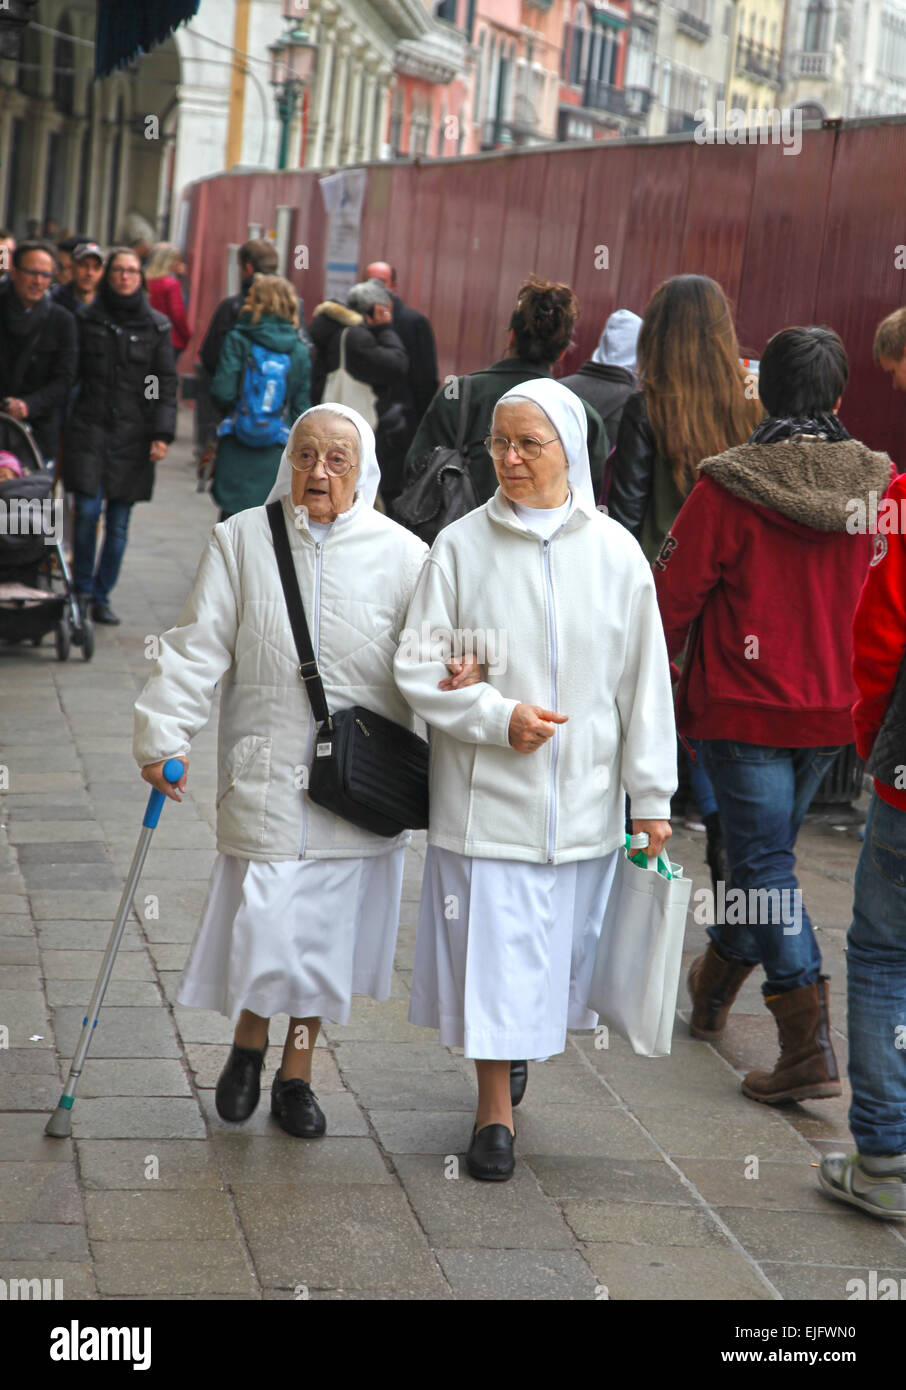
{"points": [[647, 1178]]}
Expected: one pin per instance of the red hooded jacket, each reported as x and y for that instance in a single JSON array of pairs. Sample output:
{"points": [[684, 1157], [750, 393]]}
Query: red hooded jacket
{"points": [[762, 576]]}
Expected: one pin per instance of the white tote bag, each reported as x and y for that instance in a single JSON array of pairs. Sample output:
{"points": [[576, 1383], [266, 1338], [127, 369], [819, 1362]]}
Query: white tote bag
{"points": [[343, 388], [637, 967]]}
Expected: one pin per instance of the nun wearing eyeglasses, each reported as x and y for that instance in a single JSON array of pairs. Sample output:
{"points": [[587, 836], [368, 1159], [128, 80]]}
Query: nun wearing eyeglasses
{"points": [[302, 907], [530, 766]]}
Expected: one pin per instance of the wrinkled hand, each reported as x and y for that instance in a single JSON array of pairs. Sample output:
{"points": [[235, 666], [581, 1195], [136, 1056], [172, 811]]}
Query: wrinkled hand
{"points": [[659, 832], [154, 773], [158, 450], [463, 672], [531, 726]]}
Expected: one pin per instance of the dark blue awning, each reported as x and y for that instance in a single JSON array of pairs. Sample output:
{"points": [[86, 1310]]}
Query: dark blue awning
{"points": [[127, 28]]}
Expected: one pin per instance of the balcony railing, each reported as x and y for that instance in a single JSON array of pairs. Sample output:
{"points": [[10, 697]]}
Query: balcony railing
{"points": [[680, 121], [756, 60], [601, 96], [638, 100], [691, 24], [813, 64]]}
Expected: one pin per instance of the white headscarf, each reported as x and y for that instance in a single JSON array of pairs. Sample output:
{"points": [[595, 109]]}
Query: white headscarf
{"points": [[569, 421], [369, 476]]}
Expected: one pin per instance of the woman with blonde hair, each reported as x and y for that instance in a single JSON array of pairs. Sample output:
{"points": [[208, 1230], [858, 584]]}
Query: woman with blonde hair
{"points": [[263, 380], [165, 265]]}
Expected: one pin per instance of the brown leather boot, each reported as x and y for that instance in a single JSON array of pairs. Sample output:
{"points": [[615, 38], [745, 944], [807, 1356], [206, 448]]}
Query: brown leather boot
{"points": [[807, 1067], [713, 984]]}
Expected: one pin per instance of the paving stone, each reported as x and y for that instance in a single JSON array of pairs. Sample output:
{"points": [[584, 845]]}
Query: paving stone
{"points": [[828, 1283], [26, 1091], [120, 994], [197, 1214], [517, 1274], [39, 1192], [455, 1211], [16, 926], [669, 1272], [75, 906], [91, 937], [777, 1187], [28, 1060], [621, 1179], [121, 1032], [571, 1131], [412, 1090], [125, 1117], [278, 1159], [723, 1131], [202, 1025], [23, 1013], [169, 956], [22, 1140], [13, 905], [117, 1164], [641, 1223], [387, 1020], [75, 876], [153, 1268], [18, 950], [85, 965], [56, 832], [207, 1061], [842, 1236], [26, 978], [126, 1076], [394, 1056], [340, 1111], [42, 1240], [424, 1131], [76, 1280], [353, 1235]]}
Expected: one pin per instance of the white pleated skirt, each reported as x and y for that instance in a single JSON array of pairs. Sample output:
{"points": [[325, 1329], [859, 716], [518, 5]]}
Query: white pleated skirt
{"points": [[505, 951], [299, 937]]}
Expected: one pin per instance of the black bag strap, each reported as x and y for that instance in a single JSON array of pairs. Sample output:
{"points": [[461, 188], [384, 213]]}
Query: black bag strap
{"points": [[308, 666], [463, 413]]}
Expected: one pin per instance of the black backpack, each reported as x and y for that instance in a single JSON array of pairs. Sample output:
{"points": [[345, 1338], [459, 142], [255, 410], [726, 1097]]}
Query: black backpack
{"points": [[439, 487]]}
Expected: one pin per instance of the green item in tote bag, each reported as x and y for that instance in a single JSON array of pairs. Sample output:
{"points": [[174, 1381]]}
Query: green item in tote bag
{"points": [[637, 966]]}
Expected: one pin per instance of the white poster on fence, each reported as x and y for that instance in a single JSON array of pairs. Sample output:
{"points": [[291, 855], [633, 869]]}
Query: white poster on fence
{"points": [[343, 194]]}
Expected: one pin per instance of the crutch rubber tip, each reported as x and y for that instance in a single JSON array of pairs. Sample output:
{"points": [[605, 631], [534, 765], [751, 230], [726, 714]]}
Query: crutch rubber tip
{"points": [[59, 1126]]}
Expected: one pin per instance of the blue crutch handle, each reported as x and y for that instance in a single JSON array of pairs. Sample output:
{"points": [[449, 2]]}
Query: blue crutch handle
{"points": [[173, 770]]}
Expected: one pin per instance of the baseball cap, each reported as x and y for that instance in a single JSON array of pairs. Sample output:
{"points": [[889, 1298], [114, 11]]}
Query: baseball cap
{"points": [[88, 248]]}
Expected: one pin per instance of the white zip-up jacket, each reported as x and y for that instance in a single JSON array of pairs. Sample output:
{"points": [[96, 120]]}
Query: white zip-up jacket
{"points": [[356, 587], [577, 618]]}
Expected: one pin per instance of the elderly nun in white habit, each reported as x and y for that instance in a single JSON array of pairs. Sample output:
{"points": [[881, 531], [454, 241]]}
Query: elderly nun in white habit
{"points": [[302, 907], [530, 766]]}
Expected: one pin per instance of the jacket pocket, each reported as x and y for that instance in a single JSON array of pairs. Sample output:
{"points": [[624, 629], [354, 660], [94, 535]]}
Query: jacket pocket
{"points": [[243, 792]]}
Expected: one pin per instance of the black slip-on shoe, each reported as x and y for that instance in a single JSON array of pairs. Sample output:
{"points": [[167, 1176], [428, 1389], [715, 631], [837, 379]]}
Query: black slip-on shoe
{"points": [[490, 1157], [103, 613], [518, 1082], [239, 1085], [295, 1105]]}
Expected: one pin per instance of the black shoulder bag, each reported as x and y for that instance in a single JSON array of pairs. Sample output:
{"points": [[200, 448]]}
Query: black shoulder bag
{"points": [[366, 769], [439, 489]]}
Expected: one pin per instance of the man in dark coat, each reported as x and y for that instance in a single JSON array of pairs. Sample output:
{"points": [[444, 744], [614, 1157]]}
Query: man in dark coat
{"points": [[38, 346], [122, 423], [607, 379], [255, 258]]}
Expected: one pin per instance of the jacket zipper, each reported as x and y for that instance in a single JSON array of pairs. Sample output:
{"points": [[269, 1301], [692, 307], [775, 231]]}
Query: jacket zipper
{"points": [[552, 633], [315, 639]]}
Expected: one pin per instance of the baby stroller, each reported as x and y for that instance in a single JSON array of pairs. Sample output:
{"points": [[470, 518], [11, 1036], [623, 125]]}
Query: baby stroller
{"points": [[31, 554]]}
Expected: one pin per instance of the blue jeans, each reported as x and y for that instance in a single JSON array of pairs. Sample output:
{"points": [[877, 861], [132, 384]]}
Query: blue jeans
{"points": [[762, 795], [876, 985], [116, 527], [700, 782]]}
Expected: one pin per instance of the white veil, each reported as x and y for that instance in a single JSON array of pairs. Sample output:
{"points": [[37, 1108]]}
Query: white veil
{"points": [[566, 413], [369, 473]]}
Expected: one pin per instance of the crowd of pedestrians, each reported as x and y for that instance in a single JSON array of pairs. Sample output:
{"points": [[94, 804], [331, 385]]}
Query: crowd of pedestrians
{"points": [[712, 506]]}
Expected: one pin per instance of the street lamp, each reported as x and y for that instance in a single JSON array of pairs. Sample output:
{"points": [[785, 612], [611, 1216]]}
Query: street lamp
{"points": [[292, 57]]}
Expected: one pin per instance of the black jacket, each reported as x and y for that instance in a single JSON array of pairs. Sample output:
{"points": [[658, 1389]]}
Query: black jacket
{"points": [[224, 318], [417, 337], [643, 496], [440, 421], [39, 367], [606, 388], [375, 356], [126, 399]]}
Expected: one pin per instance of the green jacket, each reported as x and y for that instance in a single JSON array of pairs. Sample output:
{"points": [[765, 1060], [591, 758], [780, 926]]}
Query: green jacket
{"points": [[243, 476], [438, 425]]}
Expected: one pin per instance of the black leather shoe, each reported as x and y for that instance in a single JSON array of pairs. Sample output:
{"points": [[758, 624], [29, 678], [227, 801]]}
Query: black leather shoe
{"points": [[295, 1106], [239, 1085], [490, 1157], [103, 613], [518, 1081]]}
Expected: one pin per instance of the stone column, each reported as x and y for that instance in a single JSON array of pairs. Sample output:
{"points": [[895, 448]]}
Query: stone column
{"points": [[368, 107], [321, 94], [350, 150], [337, 109], [385, 77]]}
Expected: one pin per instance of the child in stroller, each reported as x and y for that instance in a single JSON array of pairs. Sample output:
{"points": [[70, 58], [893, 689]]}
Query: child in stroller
{"points": [[32, 559]]}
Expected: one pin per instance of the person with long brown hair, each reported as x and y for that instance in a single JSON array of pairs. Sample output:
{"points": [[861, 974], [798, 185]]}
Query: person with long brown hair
{"points": [[263, 381], [692, 404]]}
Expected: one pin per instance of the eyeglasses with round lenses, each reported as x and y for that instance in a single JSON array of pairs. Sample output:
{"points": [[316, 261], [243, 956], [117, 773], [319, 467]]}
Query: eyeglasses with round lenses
{"points": [[336, 462], [526, 447]]}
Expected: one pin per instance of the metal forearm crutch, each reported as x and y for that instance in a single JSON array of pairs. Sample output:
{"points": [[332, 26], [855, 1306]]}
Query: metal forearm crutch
{"points": [[60, 1123]]}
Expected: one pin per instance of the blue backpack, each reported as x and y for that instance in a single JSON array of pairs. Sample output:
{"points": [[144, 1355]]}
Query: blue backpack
{"points": [[258, 418]]}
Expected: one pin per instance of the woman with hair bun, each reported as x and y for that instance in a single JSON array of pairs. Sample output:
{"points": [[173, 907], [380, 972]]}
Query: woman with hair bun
{"points": [[540, 332]]}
